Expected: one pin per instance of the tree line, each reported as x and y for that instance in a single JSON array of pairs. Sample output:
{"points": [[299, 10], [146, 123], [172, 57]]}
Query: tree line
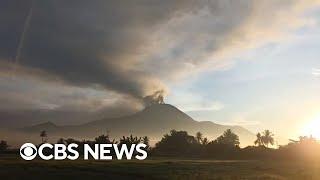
{"points": [[226, 146]]}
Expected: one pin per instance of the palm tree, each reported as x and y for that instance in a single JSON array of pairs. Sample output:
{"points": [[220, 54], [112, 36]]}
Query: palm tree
{"points": [[43, 135], [267, 137], [199, 137], [259, 140]]}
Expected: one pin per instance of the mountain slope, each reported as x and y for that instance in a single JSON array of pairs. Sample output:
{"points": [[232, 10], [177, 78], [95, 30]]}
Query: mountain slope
{"points": [[154, 121]]}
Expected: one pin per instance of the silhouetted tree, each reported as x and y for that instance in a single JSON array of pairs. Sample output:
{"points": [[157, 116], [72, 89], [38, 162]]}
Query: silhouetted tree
{"points": [[225, 146], [267, 137], [61, 141], [74, 141], [305, 148], [131, 140], [205, 141], [228, 138], [145, 140], [43, 135], [3, 146], [70, 141], [304, 139], [104, 139], [259, 140], [177, 143], [199, 137]]}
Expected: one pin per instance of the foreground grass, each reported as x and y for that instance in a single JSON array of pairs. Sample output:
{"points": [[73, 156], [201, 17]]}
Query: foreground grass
{"points": [[158, 168]]}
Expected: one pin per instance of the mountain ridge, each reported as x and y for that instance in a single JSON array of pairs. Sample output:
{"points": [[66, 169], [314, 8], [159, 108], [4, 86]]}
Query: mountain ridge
{"points": [[153, 121]]}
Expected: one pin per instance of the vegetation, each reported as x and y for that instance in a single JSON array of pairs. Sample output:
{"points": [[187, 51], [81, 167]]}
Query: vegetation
{"points": [[258, 141], [161, 168], [3, 146], [104, 139], [181, 144], [158, 168], [228, 138], [177, 143], [180, 155], [265, 139], [43, 135]]}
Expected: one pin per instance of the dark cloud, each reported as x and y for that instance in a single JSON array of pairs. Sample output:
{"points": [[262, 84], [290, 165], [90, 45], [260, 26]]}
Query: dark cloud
{"points": [[129, 49], [12, 18], [84, 42]]}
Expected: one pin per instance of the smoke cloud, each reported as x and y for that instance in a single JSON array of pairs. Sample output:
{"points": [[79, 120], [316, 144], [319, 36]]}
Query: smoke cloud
{"points": [[134, 48]]}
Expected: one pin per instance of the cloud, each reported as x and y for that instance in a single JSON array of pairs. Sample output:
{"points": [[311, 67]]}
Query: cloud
{"points": [[129, 48], [221, 30], [204, 106], [83, 43], [32, 94], [315, 72]]}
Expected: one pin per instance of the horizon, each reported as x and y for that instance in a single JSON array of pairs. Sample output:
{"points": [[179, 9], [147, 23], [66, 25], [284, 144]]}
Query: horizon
{"points": [[249, 64]]}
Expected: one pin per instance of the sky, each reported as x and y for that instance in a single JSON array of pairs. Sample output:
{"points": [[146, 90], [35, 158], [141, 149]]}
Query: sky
{"points": [[247, 62]]}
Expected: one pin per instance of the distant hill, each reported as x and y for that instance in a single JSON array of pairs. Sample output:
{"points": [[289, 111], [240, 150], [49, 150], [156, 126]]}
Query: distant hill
{"points": [[154, 121]]}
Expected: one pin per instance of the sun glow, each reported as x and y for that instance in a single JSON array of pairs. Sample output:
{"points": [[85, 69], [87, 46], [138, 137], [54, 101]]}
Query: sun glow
{"points": [[312, 128]]}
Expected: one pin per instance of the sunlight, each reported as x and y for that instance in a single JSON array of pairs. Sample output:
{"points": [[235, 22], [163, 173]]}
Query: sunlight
{"points": [[312, 128]]}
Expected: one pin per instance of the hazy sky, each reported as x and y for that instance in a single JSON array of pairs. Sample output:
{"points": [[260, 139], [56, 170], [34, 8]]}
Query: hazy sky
{"points": [[253, 63]]}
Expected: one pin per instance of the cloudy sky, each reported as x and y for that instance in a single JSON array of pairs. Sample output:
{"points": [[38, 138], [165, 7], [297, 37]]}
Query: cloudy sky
{"points": [[253, 63]]}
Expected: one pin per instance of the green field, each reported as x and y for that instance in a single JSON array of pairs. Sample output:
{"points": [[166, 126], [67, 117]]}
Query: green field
{"points": [[158, 168]]}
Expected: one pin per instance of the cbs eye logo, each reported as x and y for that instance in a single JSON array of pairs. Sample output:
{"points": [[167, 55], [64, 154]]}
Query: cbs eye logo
{"points": [[28, 151]]}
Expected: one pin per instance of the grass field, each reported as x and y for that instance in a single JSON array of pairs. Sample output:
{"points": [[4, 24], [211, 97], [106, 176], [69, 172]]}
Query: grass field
{"points": [[159, 168]]}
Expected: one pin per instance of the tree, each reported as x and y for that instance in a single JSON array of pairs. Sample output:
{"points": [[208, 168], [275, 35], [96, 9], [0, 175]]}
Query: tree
{"points": [[199, 137], [104, 139], [259, 140], [225, 146], [228, 138], [146, 141], [130, 140], [267, 137], [177, 143], [70, 141], [61, 141], [43, 135], [205, 141], [3, 145], [304, 140]]}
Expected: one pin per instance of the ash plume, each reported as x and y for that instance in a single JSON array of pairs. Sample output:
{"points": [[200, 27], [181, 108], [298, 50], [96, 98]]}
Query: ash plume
{"points": [[129, 48], [156, 98]]}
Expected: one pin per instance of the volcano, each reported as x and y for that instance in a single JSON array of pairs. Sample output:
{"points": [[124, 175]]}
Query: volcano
{"points": [[154, 121]]}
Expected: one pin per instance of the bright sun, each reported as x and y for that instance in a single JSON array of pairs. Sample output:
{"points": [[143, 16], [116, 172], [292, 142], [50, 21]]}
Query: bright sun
{"points": [[312, 128]]}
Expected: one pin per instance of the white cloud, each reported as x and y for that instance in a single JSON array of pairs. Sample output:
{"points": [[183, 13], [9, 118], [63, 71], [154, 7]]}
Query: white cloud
{"points": [[315, 72], [210, 38]]}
